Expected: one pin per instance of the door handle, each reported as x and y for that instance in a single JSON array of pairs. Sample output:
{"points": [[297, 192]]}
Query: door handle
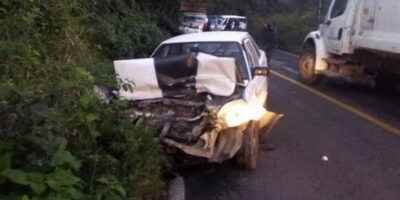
{"points": [[340, 33], [371, 20]]}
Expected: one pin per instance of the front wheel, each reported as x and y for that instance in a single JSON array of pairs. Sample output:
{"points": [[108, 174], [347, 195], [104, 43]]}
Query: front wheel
{"points": [[307, 68], [248, 154]]}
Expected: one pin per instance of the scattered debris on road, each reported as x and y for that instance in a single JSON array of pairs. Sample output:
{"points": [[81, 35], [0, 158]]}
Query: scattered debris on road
{"points": [[325, 158]]}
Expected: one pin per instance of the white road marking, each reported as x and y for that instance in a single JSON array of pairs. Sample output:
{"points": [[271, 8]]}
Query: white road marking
{"points": [[279, 64], [288, 69], [287, 53]]}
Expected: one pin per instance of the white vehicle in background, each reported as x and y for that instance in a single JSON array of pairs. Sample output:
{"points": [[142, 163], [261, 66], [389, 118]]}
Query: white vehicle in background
{"points": [[204, 93], [213, 21], [358, 41], [193, 22], [231, 23]]}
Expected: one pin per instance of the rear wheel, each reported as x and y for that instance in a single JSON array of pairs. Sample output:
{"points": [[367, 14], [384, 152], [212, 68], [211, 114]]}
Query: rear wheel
{"points": [[307, 67], [248, 154]]}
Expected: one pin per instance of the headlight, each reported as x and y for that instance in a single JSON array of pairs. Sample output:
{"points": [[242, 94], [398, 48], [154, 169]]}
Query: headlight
{"points": [[239, 112]]}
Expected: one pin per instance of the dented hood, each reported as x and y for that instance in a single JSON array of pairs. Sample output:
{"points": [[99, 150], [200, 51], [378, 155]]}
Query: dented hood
{"points": [[151, 78]]}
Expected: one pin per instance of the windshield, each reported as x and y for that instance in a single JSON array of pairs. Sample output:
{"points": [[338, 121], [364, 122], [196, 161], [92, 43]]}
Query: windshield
{"points": [[220, 49]]}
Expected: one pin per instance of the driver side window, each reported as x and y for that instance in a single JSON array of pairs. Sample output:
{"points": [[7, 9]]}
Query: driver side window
{"points": [[338, 8], [251, 53]]}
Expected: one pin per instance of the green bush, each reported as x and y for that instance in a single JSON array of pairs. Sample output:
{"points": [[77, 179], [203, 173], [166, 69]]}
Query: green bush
{"points": [[57, 139], [121, 30], [293, 28]]}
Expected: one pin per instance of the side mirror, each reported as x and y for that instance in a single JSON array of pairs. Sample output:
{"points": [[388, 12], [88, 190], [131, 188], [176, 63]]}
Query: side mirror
{"points": [[261, 71]]}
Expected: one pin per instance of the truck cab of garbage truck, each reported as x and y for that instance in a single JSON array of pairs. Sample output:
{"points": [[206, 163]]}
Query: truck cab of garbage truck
{"points": [[336, 28]]}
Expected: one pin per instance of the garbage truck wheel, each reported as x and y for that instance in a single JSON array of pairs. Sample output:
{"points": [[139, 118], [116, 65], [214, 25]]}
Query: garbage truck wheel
{"points": [[306, 64], [248, 154]]}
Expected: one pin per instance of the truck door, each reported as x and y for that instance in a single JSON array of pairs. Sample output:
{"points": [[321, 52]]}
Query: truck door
{"points": [[368, 15], [333, 28]]}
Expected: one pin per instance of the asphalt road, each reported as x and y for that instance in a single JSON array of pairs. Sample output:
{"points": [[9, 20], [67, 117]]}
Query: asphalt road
{"points": [[320, 150]]}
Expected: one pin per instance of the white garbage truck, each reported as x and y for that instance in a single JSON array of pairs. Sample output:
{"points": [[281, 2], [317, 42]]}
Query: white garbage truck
{"points": [[358, 41]]}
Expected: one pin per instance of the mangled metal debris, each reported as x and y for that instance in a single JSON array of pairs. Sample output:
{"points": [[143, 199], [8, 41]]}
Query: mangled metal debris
{"points": [[196, 102]]}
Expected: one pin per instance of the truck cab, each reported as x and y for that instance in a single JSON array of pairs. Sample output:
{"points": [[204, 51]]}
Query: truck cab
{"points": [[358, 41], [336, 27]]}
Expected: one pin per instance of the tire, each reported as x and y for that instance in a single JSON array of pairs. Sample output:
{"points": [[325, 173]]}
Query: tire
{"points": [[306, 67], [248, 154]]}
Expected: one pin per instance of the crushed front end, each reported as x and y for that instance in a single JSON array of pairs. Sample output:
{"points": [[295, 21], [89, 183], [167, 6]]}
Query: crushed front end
{"points": [[196, 102]]}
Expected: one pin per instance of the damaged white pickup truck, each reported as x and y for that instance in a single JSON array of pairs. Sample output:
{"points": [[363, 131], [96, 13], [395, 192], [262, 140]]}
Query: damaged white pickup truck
{"points": [[204, 93]]}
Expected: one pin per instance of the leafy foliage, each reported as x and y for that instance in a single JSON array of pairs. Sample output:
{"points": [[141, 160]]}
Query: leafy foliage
{"points": [[57, 139], [122, 29], [294, 19], [292, 28]]}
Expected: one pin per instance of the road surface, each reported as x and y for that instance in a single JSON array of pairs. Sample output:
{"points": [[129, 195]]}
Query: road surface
{"points": [[337, 141]]}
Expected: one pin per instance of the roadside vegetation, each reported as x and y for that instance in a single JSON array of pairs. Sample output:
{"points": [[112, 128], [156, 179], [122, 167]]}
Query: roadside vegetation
{"points": [[294, 19], [292, 28], [57, 140]]}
